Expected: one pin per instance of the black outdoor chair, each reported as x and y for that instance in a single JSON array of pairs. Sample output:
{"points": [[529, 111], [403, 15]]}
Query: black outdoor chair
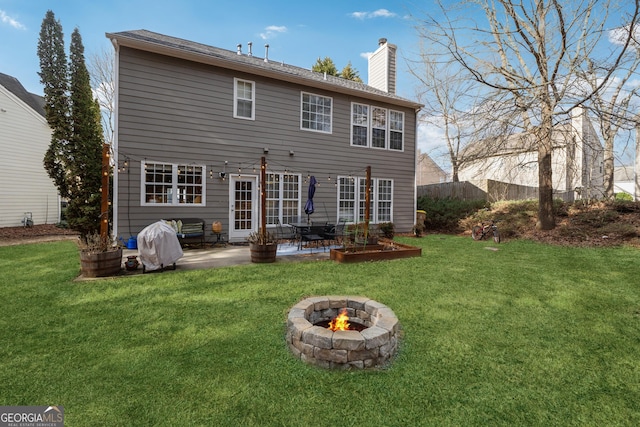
{"points": [[284, 233], [335, 233], [314, 234]]}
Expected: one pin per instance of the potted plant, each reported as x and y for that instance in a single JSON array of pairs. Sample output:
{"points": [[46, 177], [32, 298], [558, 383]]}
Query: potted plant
{"points": [[263, 246], [99, 256], [387, 229]]}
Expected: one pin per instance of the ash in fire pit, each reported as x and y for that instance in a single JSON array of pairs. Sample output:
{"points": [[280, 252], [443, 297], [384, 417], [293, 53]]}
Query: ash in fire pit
{"points": [[370, 341]]}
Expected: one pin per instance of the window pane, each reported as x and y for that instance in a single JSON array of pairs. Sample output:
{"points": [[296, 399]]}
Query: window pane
{"points": [[384, 197], [244, 98], [347, 199], [396, 126], [316, 112], [360, 124], [378, 127]]}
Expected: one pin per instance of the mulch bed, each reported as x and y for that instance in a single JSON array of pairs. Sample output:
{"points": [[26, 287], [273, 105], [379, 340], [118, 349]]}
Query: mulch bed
{"points": [[37, 233]]}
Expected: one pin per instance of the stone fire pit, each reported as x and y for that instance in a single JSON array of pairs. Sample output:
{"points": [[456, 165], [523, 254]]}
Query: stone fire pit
{"points": [[374, 346]]}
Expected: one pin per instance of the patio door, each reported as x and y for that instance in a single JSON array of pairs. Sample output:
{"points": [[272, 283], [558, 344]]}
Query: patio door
{"points": [[243, 212]]}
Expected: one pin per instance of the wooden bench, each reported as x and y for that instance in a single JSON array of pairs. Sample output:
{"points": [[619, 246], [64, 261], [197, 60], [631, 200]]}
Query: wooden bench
{"points": [[189, 230]]}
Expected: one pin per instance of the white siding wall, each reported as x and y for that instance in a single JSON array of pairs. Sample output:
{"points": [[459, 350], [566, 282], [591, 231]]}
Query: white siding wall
{"points": [[24, 184]]}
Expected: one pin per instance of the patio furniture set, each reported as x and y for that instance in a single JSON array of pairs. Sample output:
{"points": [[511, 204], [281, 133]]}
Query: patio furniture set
{"points": [[309, 234]]}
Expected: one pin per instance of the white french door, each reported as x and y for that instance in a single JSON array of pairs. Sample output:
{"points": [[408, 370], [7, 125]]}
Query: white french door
{"points": [[243, 212]]}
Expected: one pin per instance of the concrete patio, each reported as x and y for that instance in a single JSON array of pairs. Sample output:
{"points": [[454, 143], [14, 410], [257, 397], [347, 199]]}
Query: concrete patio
{"points": [[214, 256]]}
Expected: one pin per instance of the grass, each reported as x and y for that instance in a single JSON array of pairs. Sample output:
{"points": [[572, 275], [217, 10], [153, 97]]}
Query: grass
{"points": [[529, 334]]}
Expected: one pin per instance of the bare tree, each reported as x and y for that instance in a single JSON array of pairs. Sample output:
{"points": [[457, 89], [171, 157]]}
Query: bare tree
{"points": [[444, 93], [533, 53], [611, 105], [102, 71]]}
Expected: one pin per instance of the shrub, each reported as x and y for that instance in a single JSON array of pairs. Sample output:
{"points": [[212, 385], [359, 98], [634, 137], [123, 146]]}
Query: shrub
{"points": [[624, 197], [445, 214]]}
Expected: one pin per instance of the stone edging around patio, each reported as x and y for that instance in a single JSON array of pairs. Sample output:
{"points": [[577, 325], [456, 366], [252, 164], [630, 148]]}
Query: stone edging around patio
{"points": [[373, 347]]}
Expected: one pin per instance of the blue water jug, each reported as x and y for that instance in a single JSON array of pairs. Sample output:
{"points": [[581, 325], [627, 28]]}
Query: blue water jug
{"points": [[132, 243]]}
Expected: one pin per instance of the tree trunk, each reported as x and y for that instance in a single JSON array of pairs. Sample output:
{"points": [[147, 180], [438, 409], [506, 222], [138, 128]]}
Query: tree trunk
{"points": [[608, 166], [546, 219]]}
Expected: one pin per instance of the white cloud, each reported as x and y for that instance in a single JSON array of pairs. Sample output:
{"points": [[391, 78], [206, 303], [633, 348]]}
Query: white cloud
{"points": [[366, 55], [380, 13], [272, 30], [6, 19]]}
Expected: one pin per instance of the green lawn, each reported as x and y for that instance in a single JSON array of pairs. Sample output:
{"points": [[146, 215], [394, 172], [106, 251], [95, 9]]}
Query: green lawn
{"points": [[525, 335]]}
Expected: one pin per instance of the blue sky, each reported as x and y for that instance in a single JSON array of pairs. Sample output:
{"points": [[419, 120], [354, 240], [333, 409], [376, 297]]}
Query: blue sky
{"points": [[297, 33]]}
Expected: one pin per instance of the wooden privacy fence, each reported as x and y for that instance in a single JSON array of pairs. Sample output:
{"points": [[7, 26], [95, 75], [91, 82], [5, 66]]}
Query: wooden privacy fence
{"points": [[489, 190]]}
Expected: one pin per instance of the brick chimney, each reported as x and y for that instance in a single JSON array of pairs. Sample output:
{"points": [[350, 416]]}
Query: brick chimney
{"points": [[382, 67]]}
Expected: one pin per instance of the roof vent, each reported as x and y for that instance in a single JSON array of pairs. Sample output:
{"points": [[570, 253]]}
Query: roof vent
{"points": [[250, 44], [266, 53], [239, 49]]}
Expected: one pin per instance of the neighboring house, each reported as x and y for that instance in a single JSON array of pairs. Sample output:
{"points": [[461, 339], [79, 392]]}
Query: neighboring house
{"points": [[193, 122], [24, 139], [577, 159], [428, 171], [624, 180]]}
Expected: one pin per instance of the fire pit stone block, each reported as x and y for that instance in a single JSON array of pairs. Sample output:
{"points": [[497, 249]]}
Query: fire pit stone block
{"points": [[348, 340], [318, 337], [372, 347]]}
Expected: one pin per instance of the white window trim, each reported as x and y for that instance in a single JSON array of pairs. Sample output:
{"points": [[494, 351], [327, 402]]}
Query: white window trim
{"points": [[388, 130], [236, 99], [330, 131], [385, 128], [281, 197], [395, 130], [367, 125], [174, 185], [374, 198]]}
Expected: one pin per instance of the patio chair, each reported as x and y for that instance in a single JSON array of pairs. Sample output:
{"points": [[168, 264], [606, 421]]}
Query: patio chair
{"points": [[314, 234], [285, 233], [335, 233]]}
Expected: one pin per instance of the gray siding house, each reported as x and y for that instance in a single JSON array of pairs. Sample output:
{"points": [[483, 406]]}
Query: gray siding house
{"points": [[193, 122]]}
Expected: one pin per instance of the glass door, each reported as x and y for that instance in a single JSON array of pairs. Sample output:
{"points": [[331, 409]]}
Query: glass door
{"points": [[243, 212]]}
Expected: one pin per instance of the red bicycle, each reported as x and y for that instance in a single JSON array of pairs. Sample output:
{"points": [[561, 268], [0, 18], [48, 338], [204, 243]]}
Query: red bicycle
{"points": [[479, 232]]}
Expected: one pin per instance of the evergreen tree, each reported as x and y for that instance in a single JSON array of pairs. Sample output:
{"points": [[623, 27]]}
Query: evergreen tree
{"points": [[350, 73], [325, 65], [85, 145], [74, 158], [53, 75]]}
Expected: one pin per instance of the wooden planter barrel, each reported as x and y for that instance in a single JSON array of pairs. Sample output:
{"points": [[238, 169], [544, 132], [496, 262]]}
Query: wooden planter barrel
{"points": [[100, 264], [263, 253]]}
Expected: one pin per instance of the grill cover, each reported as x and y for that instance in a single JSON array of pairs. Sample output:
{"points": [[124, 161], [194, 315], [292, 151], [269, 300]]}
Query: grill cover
{"points": [[158, 246]]}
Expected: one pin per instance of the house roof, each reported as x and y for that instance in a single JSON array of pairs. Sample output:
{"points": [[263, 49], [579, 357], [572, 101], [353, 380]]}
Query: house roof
{"points": [[184, 49], [34, 101]]}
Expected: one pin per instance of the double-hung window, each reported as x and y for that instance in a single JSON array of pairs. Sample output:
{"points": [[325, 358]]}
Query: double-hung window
{"points": [[171, 184], [316, 112], [352, 199], [360, 125], [396, 130], [283, 198], [377, 127], [244, 105]]}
